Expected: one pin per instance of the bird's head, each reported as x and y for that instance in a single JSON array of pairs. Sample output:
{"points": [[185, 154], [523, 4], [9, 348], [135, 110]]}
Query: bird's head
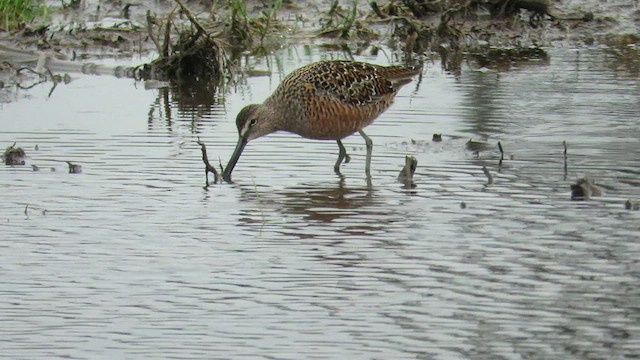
{"points": [[253, 121]]}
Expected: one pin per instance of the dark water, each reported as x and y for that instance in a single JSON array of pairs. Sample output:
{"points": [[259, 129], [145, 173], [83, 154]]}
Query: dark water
{"points": [[133, 258]]}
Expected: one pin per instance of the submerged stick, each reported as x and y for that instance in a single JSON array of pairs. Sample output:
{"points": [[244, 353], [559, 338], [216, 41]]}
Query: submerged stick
{"points": [[488, 175], [564, 143], [207, 166]]}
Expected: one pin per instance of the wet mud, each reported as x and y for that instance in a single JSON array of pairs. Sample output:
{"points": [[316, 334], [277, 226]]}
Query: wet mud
{"points": [[200, 39]]}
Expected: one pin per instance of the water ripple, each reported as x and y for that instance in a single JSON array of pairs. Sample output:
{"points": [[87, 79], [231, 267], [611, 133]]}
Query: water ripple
{"points": [[135, 258]]}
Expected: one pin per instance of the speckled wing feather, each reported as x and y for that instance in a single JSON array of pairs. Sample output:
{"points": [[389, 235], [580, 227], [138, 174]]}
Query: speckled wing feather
{"points": [[337, 98], [349, 82]]}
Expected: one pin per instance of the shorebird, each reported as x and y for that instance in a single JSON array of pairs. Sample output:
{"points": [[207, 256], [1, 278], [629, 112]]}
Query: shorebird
{"points": [[326, 100]]}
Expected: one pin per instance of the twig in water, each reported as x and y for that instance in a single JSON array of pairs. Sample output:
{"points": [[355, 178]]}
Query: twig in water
{"points": [[488, 174], [406, 174], [74, 168], [27, 208], [564, 143], [55, 81], [207, 166]]}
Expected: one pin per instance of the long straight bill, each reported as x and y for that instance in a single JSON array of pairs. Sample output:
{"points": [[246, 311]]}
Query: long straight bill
{"points": [[226, 175]]}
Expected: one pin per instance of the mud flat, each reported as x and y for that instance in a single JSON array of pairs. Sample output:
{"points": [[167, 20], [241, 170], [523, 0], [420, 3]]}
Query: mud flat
{"points": [[211, 38]]}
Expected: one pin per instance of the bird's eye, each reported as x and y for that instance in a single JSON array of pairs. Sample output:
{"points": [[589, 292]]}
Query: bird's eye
{"points": [[253, 122]]}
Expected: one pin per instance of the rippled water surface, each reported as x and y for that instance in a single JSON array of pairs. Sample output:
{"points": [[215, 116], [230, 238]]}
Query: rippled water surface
{"points": [[135, 258]]}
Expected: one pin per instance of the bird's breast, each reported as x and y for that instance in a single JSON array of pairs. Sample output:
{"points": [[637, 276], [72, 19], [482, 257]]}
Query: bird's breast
{"points": [[334, 120]]}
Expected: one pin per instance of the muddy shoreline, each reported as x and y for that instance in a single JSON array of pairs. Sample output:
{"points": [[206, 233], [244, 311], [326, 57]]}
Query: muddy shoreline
{"points": [[493, 35]]}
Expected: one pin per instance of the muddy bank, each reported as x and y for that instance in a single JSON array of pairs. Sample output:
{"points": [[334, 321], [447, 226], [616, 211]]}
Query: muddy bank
{"points": [[208, 39]]}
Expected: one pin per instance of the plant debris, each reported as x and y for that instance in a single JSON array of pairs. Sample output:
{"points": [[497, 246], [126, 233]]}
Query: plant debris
{"points": [[14, 155], [74, 168], [406, 174], [207, 165], [585, 188]]}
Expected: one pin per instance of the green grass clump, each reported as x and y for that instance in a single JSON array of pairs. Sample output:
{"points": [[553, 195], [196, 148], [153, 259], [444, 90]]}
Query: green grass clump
{"points": [[243, 24], [15, 13]]}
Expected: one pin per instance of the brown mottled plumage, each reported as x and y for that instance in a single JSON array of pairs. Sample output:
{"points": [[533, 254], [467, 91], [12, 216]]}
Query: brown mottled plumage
{"points": [[326, 100]]}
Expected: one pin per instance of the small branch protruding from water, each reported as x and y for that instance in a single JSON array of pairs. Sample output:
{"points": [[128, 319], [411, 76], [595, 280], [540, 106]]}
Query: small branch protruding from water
{"points": [[488, 175], [207, 166], [74, 168], [220, 165], [564, 143], [406, 174], [501, 154], [28, 208]]}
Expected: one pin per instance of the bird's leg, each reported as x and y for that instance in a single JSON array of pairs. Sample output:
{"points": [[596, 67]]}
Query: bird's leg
{"points": [[367, 140], [342, 155]]}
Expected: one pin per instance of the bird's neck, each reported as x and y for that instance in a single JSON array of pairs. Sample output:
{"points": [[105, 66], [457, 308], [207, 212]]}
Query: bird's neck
{"points": [[274, 114]]}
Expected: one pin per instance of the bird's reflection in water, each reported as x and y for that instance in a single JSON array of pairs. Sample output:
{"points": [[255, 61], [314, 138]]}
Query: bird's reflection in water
{"points": [[315, 210]]}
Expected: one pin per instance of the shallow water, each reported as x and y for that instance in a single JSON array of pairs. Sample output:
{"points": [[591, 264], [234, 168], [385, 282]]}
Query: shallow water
{"points": [[135, 258]]}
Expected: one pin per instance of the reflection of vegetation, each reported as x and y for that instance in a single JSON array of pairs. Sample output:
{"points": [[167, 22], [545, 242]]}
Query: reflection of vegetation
{"points": [[625, 51], [504, 57], [188, 103], [15, 13]]}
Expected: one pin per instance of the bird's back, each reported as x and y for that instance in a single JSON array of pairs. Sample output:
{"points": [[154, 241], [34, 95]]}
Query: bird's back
{"points": [[334, 99]]}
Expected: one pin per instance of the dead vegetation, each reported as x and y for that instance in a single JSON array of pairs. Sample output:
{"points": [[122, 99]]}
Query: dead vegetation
{"points": [[200, 41], [456, 29], [202, 47], [14, 155], [195, 53]]}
